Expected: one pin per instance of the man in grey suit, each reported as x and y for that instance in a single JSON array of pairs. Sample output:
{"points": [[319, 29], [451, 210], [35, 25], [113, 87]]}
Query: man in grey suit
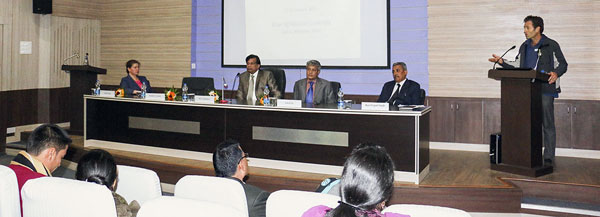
{"points": [[230, 161], [312, 89], [258, 78]]}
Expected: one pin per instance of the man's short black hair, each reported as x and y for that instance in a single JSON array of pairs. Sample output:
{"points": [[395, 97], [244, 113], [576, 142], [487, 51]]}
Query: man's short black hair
{"points": [[537, 22], [226, 158], [47, 136], [253, 56]]}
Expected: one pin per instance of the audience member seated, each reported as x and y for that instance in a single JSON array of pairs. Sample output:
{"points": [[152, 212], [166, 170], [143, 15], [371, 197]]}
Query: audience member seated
{"points": [[312, 89], [230, 161], [366, 185], [98, 166], [400, 91], [253, 81], [132, 83], [46, 147]]}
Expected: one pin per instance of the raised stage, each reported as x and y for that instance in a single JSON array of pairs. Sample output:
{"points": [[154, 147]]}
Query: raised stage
{"points": [[136, 132]]}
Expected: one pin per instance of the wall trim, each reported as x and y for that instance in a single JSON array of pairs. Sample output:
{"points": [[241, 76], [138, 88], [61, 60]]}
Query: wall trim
{"points": [[561, 152]]}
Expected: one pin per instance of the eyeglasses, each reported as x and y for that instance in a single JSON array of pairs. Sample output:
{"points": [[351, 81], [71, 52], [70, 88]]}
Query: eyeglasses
{"points": [[246, 155]]}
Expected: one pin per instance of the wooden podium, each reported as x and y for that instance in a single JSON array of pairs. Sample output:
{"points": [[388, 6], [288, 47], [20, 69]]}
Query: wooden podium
{"points": [[521, 120], [83, 79]]}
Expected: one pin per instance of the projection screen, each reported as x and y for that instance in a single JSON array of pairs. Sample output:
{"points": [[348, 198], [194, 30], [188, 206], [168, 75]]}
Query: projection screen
{"points": [[338, 33]]}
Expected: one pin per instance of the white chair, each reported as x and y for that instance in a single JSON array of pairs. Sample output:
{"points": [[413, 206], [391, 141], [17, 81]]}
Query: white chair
{"points": [[218, 190], [174, 206], [425, 211], [9, 193], [295, 203], [138, 184], [51, 196]]}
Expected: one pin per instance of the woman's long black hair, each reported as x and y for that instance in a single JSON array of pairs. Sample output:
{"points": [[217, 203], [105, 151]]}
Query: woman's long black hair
{"points": [[367, 181], [97, 166]]}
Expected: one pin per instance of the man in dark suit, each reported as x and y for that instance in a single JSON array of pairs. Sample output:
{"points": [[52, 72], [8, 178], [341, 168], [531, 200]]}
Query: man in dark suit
{"points": [[258, 78], [400, 91], [312, 89], [230, 161]]}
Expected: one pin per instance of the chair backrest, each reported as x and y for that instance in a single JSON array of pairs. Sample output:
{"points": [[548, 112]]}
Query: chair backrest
{"points": [[52, 196], [174, 206], [422, 97], [199, 85], [295, 203], [335, 87], [219, 190], [279, 75], [425, 210], [9, 193], [138, 184]]}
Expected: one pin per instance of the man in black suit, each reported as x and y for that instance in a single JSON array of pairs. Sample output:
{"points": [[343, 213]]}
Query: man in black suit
{"points": [[230, 161], [400, 91]]}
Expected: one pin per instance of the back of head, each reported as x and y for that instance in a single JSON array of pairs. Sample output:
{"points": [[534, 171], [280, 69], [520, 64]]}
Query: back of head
{"points": [[47, 136], [226, 158], [367, 180], [97, 166]]}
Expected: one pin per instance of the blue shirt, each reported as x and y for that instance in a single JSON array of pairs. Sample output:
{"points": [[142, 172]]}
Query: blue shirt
{"points": [[531, 59], [531, 54]]}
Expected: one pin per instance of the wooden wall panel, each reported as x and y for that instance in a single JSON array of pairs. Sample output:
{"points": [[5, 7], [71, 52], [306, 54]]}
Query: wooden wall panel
{"points": [[87, 9], [19, 71], [156, 32], [463, 34], [69, 36]]}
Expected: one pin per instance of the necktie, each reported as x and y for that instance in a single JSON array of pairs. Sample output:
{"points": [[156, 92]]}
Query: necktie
{"points": [[395, 94], [309, 94], [250, 96]]}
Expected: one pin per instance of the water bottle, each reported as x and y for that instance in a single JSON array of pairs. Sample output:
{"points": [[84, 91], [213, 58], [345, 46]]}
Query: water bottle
{"points": [[143, 94], [184, 92], [340, 101], [266, 100], [86, 59], [97, 88]]}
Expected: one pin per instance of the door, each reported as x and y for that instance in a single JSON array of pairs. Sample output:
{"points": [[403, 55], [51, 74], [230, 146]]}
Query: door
{"points": [[441, 128], [586, 125], [562, 122], [468, 122]]}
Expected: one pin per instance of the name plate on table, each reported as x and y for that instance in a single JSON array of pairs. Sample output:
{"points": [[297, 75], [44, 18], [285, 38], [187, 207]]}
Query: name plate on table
{"points": [[155, 96], [204, 99], [107, 93], [375, 106], [289, 103]]}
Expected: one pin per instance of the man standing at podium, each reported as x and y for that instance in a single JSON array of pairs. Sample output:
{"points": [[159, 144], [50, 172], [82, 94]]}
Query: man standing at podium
{"points": [[544, 55]]}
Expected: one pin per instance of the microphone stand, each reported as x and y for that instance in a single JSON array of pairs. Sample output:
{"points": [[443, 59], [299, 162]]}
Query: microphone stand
{"points": [[233, 86], [68, 58], [513, 47], [223, 100]]}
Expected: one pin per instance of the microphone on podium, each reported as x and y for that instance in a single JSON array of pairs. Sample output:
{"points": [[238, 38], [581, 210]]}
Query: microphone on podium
{"points": [[225, 85], [511, 48]]}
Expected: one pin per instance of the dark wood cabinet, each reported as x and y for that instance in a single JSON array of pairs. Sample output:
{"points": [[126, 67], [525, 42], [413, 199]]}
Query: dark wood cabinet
{"points": [[442, 120], [491, 118], [472, 120], [456, 120], [577, 124], [562, 122]]}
